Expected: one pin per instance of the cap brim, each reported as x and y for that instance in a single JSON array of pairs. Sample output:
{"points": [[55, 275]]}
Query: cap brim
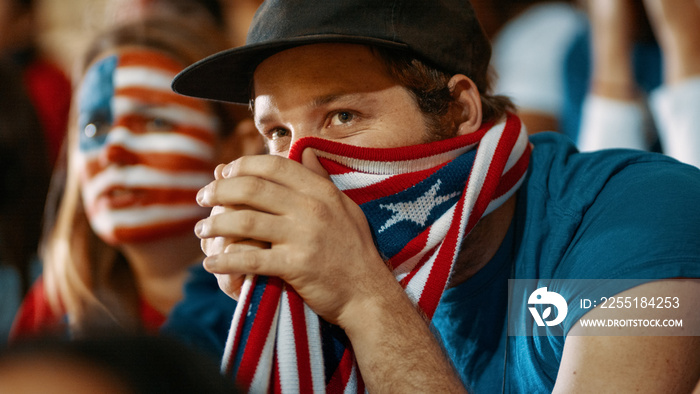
{"points": [[226, 76]]}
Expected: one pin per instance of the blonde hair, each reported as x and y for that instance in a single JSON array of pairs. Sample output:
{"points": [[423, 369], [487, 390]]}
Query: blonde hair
{"points": [[84, 277]]}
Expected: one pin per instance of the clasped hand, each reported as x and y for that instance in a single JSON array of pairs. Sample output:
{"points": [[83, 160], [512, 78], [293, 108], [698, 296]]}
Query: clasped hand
{"points": [[276, 217]]}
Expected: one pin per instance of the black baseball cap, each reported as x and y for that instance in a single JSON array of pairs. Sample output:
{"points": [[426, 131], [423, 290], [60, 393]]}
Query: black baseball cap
{"points": [[444, 33]]}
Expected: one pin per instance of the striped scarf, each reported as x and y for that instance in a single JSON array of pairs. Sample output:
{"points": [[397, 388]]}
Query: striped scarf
{"points": [[420, 202]]}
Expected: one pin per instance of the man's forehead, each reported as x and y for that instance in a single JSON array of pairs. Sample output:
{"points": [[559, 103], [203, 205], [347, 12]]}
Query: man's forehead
{"points": [[318, 74], [323, 63]]}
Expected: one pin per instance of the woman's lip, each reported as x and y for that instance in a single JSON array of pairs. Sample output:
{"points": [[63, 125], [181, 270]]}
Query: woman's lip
{"points": [[120, 197]]}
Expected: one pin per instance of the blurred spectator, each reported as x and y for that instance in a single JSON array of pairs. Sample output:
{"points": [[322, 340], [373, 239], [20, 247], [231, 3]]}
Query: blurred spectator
{"points": [[530, 43], [621, 109], [122, 245], [24, 180], [108, 365], [208, 12], [614, 74], [46, 84], [613, 66], [240, 13]]}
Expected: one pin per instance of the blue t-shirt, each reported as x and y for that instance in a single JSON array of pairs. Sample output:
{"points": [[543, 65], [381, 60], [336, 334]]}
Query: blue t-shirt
{"points": [[615, 214], [203, 317]]}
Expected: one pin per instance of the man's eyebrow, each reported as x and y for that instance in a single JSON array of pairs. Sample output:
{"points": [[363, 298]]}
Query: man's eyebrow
{"points": [[333, 97], [316, 102], [324, 100]]}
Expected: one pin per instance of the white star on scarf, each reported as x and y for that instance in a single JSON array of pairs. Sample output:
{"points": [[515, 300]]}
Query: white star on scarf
{"points": [[416, 211]]}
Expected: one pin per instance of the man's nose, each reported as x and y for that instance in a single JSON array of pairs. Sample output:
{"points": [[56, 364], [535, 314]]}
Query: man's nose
{"points": [[298, 133]]}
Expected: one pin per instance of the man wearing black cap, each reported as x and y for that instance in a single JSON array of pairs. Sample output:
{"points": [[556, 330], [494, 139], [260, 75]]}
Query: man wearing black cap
{"points": [[402, 158]]}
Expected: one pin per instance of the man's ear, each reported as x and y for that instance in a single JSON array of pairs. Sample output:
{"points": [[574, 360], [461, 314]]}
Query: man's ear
{"points": [[244, 140], [466, 108]]}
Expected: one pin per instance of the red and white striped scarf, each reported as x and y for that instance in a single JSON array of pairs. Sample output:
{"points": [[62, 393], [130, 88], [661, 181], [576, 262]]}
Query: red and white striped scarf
{"points": [[420, 201]]}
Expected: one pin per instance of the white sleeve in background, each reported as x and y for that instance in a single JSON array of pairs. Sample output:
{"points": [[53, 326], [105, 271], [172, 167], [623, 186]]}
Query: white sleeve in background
{"points": [[676, 111], [529, 53], [608, 123]]}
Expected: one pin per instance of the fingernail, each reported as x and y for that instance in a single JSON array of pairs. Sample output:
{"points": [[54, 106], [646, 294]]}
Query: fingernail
{"points": [[218, 171], [200, 197], [226, 172], [210, 263], [198, 228]]}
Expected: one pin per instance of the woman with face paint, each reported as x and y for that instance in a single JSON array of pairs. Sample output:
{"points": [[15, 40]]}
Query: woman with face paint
{"points": [[122, 243]]}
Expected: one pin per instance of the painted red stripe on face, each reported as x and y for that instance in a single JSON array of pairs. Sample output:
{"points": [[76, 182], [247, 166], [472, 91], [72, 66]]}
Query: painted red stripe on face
{"points": [[149, 58], [155, 231], [142, 197], [140, 124], [159, 97], [169, 162], [159, 196]]}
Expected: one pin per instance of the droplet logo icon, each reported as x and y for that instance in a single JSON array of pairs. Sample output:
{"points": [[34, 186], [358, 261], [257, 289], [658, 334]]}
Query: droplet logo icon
{"points": [[543, 297]]}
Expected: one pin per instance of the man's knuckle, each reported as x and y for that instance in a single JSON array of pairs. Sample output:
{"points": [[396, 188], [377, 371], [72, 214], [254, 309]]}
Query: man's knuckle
{"points": [[243, 163], [250, 262], [264, 166], [318, 208], [252, 188], [246, 222]]}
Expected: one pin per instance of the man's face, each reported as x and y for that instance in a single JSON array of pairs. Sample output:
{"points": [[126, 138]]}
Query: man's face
{"points": [[339, 92], [144, 151]]}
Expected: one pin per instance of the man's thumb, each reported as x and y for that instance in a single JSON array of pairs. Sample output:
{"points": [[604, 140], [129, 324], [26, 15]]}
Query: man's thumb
{"points": [[310, 161]]}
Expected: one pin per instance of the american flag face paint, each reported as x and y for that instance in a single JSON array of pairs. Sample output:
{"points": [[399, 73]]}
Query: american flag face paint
{"points": [[144, 151]]}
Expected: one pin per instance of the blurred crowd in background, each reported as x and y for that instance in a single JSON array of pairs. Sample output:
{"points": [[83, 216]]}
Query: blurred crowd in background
{"points": [[608, 73]]}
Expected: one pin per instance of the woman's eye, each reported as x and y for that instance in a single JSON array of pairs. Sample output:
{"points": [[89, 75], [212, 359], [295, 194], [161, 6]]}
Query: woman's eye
{"points": [[278, 133], [342, 117], [95, 129], [159, 124]]}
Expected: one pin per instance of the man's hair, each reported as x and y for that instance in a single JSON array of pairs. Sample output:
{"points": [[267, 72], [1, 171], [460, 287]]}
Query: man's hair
{"points": [[429, 87]]}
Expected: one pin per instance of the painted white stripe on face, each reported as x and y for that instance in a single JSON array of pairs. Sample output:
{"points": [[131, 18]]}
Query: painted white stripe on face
{"points": [[174, 113], [167, 142], [143, 77], [105, 222], [142, 176]]}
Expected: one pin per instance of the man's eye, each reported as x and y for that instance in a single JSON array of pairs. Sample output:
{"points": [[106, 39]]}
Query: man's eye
{"points": [[278, 133], [342, 117], [159, 124]]}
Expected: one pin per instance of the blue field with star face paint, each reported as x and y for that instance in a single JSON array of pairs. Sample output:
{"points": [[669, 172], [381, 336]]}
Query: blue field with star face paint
{"points": [[95, 102]]}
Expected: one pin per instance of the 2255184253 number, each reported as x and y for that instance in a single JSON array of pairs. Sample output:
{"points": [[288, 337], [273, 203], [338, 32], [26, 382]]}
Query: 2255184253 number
{"points": [[639, 302]]}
